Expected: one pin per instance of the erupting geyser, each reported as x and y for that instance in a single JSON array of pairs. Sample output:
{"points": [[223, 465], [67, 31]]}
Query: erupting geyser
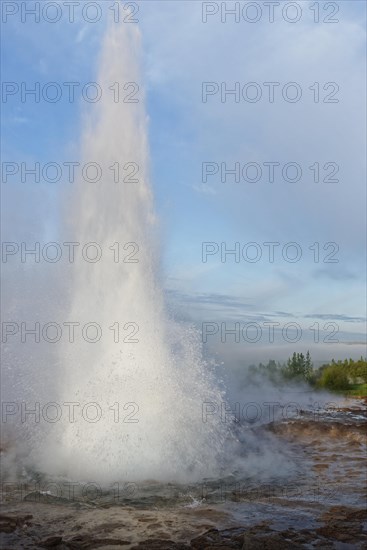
{"points": [[148, 395]]}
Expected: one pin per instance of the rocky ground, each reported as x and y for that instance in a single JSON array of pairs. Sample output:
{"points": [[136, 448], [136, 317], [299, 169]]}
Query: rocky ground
{"points": [[333, 517], [340, 527]]}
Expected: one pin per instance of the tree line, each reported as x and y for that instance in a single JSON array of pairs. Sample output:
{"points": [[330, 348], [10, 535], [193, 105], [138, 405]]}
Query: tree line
{"points": [[335, 376]]}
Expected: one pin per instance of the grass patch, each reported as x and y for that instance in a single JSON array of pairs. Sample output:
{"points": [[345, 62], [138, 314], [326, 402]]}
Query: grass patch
{"points": [[357, 390]]}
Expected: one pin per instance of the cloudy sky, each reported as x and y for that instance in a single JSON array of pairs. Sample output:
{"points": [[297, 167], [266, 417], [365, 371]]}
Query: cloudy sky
{"points": [[195, 136]]}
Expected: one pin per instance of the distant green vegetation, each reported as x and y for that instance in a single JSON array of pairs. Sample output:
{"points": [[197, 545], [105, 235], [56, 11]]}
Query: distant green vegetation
{"points": [[345, 376], [348, 377], [357, 390]]}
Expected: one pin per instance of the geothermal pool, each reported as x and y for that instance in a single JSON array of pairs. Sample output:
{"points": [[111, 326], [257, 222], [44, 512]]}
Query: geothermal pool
{"points": [[320, 505]]}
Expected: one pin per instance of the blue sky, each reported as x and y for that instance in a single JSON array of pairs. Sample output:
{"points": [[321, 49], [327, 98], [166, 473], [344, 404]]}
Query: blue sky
{"points": [[180, 52]]}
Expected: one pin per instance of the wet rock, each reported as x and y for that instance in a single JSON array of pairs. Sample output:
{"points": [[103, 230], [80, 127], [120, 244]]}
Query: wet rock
{"points": [[344, 524], [269, 542], [10, 522], [159, 544], [92, 541], [257, 537], [228, 538], [51, 542]]}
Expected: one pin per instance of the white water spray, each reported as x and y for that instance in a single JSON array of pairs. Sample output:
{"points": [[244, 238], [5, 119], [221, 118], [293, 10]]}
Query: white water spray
{"points": [[147, 395]]}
